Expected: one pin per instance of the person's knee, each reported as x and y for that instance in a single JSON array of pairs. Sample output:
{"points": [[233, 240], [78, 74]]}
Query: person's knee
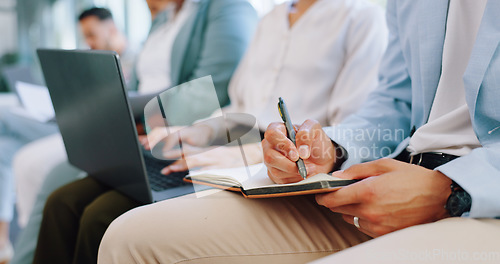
{"points": [[62, 201], [119, 229], [55, 202], [120, 238], [94, 217]]}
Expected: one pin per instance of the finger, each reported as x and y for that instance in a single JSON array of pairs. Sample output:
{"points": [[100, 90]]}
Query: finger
{"points": [[352, 194], [323, 150], [362, 211], [170, 142], [268, 149], [367, 227], [369, 169], [362, 223], [274, 159], [185, 151], [144, 142], [156, 135], [197, 135], [277, 139], [305, 137], [173, 154], [177, 166], [351, 209], [291, 155], [282, 177], [312, 169]]}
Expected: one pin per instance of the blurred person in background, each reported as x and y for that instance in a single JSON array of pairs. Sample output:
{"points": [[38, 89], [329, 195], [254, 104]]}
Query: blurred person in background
{"points": [[188, 39], [100, 32], [321, 56]]}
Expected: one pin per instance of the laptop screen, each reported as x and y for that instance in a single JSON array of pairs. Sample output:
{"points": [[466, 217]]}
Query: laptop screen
{"points": [[94, 117]]}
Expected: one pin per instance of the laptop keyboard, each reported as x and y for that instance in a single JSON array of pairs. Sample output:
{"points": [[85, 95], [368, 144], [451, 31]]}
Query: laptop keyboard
{"points": [[157, 181]]}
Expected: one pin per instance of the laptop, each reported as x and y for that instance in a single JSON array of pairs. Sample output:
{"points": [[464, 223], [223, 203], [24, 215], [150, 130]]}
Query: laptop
{"points": [[36, 102], [97, 125], [22, 73], [33, 100]]}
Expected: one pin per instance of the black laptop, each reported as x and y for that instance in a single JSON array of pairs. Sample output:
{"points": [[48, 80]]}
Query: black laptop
{"points": [[96, 122]]}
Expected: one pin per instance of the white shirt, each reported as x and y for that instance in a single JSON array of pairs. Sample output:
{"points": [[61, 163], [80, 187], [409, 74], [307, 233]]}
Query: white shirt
{"points": [[449, 128], [323, 67], [127, 60], [153, 64]]}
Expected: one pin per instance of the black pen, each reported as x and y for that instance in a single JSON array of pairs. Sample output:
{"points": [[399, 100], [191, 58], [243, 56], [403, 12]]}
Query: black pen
{"points": [[291, 134]]}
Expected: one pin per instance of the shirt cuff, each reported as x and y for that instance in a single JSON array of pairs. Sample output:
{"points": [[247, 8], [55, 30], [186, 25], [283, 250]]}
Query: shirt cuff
{"points": [[479, 180]]}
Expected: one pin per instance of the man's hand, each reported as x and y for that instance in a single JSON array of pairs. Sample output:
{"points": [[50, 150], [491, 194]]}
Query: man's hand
{"points": [[280, 154], [166, 139], [153, 137], [219, 157], [392, 195]]}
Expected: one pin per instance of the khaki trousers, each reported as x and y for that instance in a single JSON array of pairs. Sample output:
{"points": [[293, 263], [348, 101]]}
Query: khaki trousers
{"points": [[452, 240], [226, 228]]}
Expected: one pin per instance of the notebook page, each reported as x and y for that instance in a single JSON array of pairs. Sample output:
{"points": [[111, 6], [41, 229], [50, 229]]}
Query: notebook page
{"points": [[315, 178], [254, 175]]}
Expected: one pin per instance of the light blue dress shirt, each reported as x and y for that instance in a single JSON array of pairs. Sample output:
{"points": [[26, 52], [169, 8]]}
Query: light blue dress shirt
{"points": [[409, 76]]}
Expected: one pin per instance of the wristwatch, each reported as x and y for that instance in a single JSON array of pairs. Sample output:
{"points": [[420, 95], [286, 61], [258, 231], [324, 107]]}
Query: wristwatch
{"points": [[459, 201]]}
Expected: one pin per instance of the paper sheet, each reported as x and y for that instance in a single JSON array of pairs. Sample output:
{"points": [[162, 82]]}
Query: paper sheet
{"points": [[36, 102]]}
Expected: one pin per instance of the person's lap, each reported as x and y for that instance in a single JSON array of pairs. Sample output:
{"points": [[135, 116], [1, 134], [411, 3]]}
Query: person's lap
{"points": [[74, 220], [25, 246], [96, 218], [452, 240], [227, 228]]}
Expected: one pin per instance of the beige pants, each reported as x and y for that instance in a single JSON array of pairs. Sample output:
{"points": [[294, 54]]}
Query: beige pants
{"points": [[227, 228]]}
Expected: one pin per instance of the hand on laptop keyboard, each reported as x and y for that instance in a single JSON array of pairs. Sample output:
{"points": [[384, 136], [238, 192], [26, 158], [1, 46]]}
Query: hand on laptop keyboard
{"points": [[191, 157]]}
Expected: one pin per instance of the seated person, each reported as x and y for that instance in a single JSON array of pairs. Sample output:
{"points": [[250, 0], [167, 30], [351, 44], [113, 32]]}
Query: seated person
{"points": [[222, 32], [284, 59], [438, 191], [353, 56], [100, 32]]}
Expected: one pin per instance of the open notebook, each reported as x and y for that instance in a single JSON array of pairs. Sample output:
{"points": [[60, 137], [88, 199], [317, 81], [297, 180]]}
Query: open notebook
{"points": [[253, 182]]}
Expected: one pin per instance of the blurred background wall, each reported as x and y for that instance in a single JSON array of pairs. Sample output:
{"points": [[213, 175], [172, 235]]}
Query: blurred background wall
{"points": [[29, 24]]}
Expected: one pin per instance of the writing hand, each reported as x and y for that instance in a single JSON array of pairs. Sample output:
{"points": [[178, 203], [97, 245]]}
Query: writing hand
{"points": [[280, 154]]}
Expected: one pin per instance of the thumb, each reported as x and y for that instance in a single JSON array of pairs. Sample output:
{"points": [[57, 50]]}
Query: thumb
{"points": [[368, 169], [177, 166]]}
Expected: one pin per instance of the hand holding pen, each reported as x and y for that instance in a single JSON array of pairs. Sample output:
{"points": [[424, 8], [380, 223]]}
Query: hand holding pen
{"points": [[291, 134], [313, 146]]}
